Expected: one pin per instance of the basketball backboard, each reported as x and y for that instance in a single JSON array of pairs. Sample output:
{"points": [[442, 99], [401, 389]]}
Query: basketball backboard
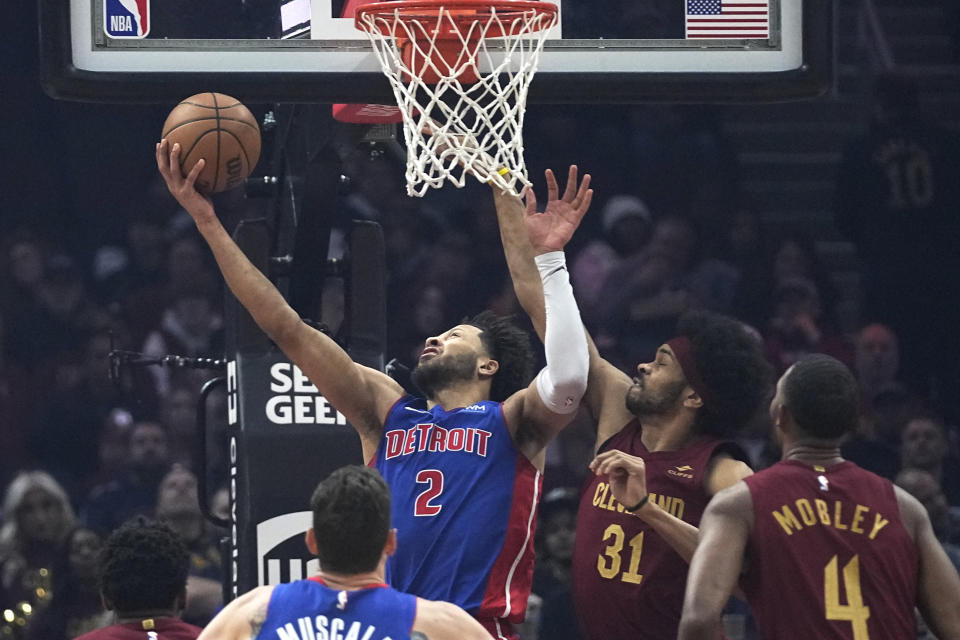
{"points": [[618, 51]]}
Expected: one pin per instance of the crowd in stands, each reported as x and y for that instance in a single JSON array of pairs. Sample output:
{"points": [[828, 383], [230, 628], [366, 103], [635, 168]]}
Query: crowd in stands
{"points": [[81, 453]]}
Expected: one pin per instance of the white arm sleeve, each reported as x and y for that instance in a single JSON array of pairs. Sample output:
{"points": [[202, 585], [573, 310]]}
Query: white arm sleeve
{"points": [[563, 381]]}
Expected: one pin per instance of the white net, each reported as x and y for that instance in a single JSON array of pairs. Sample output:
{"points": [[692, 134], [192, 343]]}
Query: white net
{"points": [[460, 77]]}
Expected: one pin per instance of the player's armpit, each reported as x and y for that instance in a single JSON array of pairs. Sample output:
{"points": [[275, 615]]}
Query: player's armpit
{"points": [[605, 397], [717, 562]]}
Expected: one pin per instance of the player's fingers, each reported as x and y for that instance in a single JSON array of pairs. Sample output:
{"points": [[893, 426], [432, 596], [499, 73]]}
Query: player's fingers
{"points": [[578, 200], [585, 205], [163, 158], [197, 168], [531, 199], [552, 188], [174, 159], [570, 192]]}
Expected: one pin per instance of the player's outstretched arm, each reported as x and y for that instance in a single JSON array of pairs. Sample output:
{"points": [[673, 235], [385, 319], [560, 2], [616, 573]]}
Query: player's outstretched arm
{"points": [[548, 404], [717, 562], [363, 395], [444, 621], [241, 619], [606, 384], [938, 586]]}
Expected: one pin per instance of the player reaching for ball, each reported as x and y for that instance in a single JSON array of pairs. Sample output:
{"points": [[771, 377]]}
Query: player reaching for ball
{"points": [[464, 463], [663, 449]]}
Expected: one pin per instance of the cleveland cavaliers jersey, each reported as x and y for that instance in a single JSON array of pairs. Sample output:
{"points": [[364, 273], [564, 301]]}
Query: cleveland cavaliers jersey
{"points": [[831, 543], [464, 506], [627, 581], [310, 610]]}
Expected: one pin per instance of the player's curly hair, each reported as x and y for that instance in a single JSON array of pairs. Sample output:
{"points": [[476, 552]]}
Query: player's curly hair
{"points": [[143, 566], [821, 394], [509, 345], [733, 367], [351, 518]]}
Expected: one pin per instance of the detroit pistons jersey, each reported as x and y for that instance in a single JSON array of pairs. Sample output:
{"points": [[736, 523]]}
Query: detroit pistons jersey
{"points": [[628, 582], [310, 610], [831, 542], [464, 503]]}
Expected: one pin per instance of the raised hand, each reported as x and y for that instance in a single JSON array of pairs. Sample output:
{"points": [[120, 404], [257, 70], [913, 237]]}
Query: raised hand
{"points": [[552, 229], [626, 474], [182, 188]]}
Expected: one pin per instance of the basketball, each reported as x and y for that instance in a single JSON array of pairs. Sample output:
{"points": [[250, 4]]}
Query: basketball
{"points": [[219, 129]]}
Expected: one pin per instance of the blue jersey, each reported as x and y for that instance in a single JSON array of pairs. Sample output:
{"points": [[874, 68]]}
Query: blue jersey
{"points": [[310, 610], [464, 505]]}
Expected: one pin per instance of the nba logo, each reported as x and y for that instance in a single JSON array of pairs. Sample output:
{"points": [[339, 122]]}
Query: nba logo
{"points": [[126, 18]]}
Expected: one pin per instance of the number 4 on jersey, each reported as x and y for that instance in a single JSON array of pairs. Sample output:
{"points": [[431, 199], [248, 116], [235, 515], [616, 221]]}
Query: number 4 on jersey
{"points": [[854, 612], [423, 506]]}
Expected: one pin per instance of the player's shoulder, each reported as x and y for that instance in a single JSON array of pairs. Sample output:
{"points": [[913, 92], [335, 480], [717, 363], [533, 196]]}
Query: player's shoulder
{"points": [[734, 500], [438, 620]]}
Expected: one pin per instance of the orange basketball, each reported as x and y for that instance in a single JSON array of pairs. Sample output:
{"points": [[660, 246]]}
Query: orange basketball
{"points": [[219, 129]]}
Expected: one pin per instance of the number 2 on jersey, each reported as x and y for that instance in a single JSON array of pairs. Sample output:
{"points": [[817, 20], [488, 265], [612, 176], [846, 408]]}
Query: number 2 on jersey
{"points": [[608, 563], [854, 612], [433, 478]]}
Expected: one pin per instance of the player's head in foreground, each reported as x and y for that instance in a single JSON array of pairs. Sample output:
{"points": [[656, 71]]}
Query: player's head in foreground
{"points": [[486, 349], [143, 570], [713, 371], [817, 399], [351, 521]]}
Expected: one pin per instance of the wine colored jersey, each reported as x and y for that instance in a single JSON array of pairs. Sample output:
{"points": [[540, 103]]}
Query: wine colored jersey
{"points": [[148, 629], [464, 505], [310, 610], [831, 548], [627, 581]]}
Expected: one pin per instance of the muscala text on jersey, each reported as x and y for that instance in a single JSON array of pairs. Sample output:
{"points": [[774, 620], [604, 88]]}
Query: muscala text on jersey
{"points": [[434, 438], [326, 628]]}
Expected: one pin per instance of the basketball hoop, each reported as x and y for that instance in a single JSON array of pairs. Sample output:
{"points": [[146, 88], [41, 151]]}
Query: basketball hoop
{"points": [[460, 71]]}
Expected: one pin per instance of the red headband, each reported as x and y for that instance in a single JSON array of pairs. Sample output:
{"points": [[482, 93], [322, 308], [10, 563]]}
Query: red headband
{"points": [[683, 351]]}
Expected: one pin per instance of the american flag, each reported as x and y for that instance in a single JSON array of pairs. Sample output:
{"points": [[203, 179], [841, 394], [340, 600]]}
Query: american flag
{"points": [[728, 19]]}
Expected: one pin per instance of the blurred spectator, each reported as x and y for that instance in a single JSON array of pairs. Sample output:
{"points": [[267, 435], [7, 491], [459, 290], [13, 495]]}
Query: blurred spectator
{"points": [[925, 488], [179, 507], [551, 576], [645, 295], [626, 227], [134, 492], [877, 360], [132, 277], [797, 327], [190, 326], [143, 580], [926, 447], [178, 411], [113, 446], [24, 257], [897, 194], [36, 519], [75, 607], [77, 400]]}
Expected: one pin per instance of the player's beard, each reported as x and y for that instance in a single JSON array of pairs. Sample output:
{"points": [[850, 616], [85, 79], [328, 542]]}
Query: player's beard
{"points": [[641, 402], [436, 374]]}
